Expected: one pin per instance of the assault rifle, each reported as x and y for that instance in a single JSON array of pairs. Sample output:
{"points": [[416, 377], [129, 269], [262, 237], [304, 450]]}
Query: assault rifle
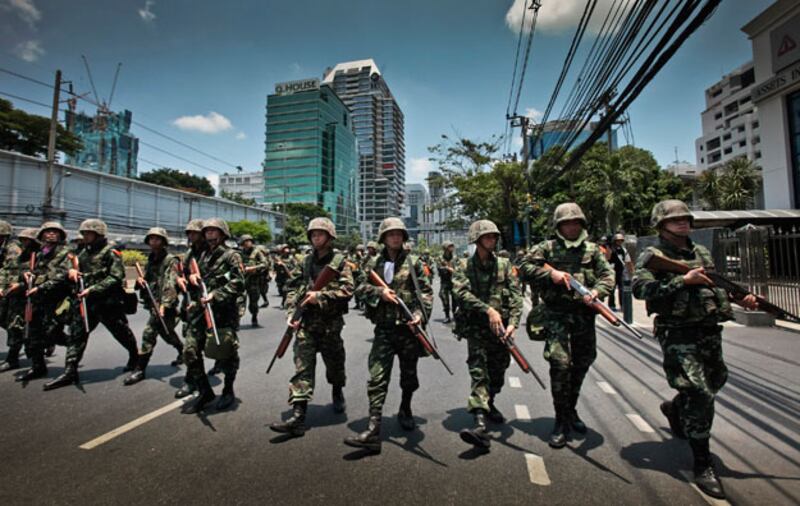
{"points": [[327, 275], [28, 301], [519, 358], [209, 313], [408, 316], [660, 263], [154, 306], [598, 305], [82, 308]]}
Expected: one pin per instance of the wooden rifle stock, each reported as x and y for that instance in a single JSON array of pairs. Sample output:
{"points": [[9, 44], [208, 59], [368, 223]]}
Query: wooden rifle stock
{"points": [[82, 307], [519, 358], [154, 306], [208, 312], [28, 301]]}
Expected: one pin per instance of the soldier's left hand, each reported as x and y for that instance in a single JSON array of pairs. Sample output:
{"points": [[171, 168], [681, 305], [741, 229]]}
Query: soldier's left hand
{"points": [[32, 291], [311, 298], [750, 302], [84, 293], [208, 299], [588, 299], [161, 311], [509, 332], [415, 322], [141, 282]]}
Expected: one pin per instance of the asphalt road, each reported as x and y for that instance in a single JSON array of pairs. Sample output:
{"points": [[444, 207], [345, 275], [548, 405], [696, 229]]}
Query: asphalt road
{"points": [[627, 457]]}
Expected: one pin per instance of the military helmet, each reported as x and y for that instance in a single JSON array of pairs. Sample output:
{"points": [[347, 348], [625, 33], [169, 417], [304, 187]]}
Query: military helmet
{"points": [[219, 224], [480, 228], [390, 224], [94, 225], [29, 233], [246, 237], [504, 253], [568, 211], [447, 244], [52, 225], [158, 232], [374, 245], [360, 247], [5, 228], [324, 224], [668, 209], [195, 225], [619, 237]]}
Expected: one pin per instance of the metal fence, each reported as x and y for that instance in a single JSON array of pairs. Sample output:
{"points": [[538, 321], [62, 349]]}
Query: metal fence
{"points": [[766, 260]]}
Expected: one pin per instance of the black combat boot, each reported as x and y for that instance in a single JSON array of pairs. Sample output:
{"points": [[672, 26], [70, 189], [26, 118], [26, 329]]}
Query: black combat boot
{"points": [[185, 390], [205, 397], [12, 360], [671, 409], [228, 397], [575, 421], [558, 438], [370, 439], [138, 374], [705, 477], [254, 321], [339, 405], [68, 377], [404, 415], [37, 370], [296, 425], [179, 359], [494, 416], [477, 436]]}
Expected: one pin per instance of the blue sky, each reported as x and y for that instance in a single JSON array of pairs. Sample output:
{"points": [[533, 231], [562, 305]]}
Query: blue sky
{"points": [[447, 62]]}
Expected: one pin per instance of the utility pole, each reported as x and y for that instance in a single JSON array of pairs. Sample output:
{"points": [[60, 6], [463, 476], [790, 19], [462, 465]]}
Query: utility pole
{"points": [[47, 207]]}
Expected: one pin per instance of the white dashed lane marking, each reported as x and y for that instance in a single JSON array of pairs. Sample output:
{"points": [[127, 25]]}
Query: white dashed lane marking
{"points": [[639, 422], [606, 387], [522, 412], [536, 470], [514, 382]]}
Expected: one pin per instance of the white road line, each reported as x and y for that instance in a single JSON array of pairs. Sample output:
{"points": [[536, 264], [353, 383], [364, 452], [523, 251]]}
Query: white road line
{"points": [[108, 436], [536, 470], [606, 387], [639, 422], [514, 382], [522, 412], [709, 500]]}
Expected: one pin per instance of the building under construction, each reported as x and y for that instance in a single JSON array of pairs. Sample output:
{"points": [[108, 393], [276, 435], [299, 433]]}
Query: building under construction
{"points": [[108, 145]]}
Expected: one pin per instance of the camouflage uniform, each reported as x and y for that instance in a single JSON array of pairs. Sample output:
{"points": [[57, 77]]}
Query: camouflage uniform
{"points": [[224, 280], [444, 264], [284, 267], [265, 278], [253, 257], [568, 323], [13, 267], [9, 251]]}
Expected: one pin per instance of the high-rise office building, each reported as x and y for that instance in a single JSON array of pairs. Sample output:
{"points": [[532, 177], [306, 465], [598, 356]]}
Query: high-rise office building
{"points": [[310, 154], [414, 212], [378, 124], [108, 145]]}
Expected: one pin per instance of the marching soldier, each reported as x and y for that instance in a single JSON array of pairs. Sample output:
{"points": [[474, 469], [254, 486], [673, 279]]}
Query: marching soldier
{"points": [[265, 278], [255, 264], [490, 305], [284, 266], [103, 276], [446, 267], [688, 311], [356, 259], [223, 278], [160, 275], [567, 319], [49, 289], [15, 293], [404, 275], [320, 330], [9, 251]]}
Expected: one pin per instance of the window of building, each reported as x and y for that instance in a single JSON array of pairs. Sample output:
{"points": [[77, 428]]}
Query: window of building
{"points": [[713, 143], [727, 151], [716, 92], [742, 144], [718, 115], [755, 124], [726, 137], [702, 160], [740, 129], [758, 155]]}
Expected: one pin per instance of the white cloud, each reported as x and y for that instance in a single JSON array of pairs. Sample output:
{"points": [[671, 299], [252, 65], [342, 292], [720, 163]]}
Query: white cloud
{"points": [[29, 50], [146, 14], [534, 114], [240, 136], [214, 180], [25, 9], [558, 16], [418, 169], [211, 123]]}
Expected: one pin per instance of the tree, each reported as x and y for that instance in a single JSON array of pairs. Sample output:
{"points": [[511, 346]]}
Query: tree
{"points": [[297, 217], [174, 178], [258, 229], [237, 197], [347, 241], [28, 133], [733, 186]]}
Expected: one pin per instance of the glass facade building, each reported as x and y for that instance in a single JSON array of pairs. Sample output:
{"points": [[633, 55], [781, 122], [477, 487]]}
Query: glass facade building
{"points": [[311, 154], [108, 145], [379, 126]]}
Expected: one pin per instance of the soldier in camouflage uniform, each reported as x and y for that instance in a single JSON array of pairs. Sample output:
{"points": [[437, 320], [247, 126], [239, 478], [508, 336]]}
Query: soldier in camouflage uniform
{"points": [[161, 276], [446, 266], [224, 280], [15, 294], [256, 264], [49, 288], [356, 258], [566, 319], [489, 309], [103, 276], [9, 251], [320, 330], [265, 278], [284, 267], [688, 311], [192, 311], [401, 271]]}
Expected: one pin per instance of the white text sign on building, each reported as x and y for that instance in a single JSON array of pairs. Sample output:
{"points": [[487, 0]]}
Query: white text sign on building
{"points": [[290, 87]]}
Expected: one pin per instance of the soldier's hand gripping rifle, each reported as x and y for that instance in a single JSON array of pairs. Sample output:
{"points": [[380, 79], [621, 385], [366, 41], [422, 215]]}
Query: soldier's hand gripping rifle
{"points": [[154, 306], [327, 275], [82, 300], [660, 263], [207, 310], [28, 301], [419, 333], [519, 358], [596, 304]]}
